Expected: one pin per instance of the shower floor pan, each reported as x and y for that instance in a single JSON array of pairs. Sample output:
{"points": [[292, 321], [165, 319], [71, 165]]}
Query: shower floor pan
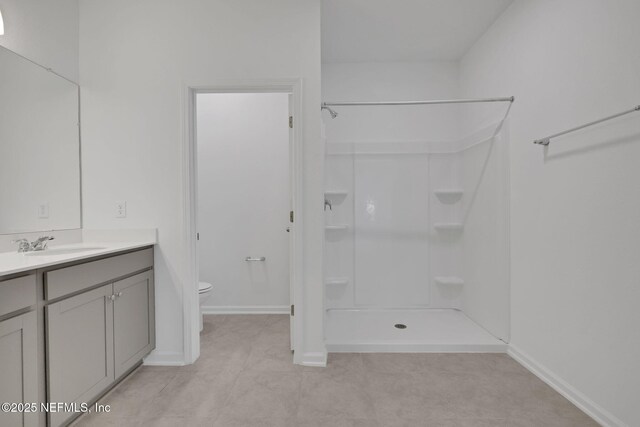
{"points": [[424, 331]]}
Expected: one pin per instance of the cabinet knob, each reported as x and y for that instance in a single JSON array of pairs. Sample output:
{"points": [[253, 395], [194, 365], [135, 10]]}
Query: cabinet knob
{"points": [[119, 294], [111, 297]]}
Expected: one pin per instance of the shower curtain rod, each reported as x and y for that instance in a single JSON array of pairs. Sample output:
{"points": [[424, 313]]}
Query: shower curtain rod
{"points": [[427, 102]]}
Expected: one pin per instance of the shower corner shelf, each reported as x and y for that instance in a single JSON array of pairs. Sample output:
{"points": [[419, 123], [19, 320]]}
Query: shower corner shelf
{"points": [[338, 227], [449, 195], [336, 193], [337, 281], [448, 226], [449, 281]]}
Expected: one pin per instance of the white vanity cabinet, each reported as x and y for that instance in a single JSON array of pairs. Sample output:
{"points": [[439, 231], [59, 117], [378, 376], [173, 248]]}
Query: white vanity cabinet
{"points": [[100, 323], [18, 349]]}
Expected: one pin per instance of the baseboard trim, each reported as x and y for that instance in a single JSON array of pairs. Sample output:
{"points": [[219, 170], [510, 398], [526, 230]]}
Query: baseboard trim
{"points": [[589, 407], [246, 309], [164, 358], [315, 359]]}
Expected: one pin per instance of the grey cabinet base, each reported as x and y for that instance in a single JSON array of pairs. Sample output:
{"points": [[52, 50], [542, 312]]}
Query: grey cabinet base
{"points": [[18, 373], [79, 349], [70, 333], [133, 321]]}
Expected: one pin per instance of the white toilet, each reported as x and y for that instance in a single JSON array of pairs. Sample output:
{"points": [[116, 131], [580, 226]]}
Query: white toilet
{"points": [[204, 292]]}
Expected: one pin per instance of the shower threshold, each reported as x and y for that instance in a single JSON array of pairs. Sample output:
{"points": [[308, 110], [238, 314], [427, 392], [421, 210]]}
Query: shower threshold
{"points": [[407, 331]]}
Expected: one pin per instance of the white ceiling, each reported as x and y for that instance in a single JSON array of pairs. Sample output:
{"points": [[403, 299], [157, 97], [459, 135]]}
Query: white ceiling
{"points": [[404, 30]]}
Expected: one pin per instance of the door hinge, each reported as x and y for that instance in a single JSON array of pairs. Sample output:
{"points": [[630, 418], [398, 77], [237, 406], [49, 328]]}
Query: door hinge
{"points": [[293, 310], [290, 216], [197, 236], [291, 122]]}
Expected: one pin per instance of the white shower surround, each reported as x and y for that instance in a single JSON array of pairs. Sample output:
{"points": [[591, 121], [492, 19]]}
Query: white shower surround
{"points": [[418, 260], [457, 273]]}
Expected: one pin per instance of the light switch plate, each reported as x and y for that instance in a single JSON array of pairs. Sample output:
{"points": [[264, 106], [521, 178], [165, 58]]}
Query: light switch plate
{"points": [[121, 209], [43, 210]]}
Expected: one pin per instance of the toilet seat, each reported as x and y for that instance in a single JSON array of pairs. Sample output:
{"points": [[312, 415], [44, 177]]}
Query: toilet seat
{"points": [[204, 287]]}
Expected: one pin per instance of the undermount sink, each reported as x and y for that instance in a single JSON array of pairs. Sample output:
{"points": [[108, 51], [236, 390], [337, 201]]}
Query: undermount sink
{"points": [[63, 251]]}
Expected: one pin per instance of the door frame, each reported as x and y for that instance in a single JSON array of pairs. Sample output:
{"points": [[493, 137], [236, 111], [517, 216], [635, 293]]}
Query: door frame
{"points": [[190, 304]]}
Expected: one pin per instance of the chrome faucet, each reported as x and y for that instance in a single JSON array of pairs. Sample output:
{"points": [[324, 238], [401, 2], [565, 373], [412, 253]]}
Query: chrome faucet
{"points": [[40, 244]]}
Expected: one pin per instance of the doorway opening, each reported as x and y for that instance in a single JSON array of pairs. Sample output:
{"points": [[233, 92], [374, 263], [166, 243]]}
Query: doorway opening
{"points": [[244, 169]]}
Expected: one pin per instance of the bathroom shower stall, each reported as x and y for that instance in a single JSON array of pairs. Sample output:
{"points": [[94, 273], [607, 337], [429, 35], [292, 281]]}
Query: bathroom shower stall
{"points": [[416, 212]]}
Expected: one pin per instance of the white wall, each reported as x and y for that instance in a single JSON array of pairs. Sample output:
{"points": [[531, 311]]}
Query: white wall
{"points": [[243, 200], [135, 60], [385, 81], [574, 206], [44, 31]]}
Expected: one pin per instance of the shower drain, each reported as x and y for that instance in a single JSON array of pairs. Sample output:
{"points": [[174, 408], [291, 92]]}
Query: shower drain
{"points": [[400, 326]]}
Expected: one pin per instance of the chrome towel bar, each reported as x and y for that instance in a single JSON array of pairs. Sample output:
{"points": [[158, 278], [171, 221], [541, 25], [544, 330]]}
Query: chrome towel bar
{"points": [[545, 141], [251, 259]]}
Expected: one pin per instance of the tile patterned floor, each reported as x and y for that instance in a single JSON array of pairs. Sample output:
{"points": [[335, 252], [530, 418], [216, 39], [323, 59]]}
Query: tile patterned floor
{"points": [[245, 377]]}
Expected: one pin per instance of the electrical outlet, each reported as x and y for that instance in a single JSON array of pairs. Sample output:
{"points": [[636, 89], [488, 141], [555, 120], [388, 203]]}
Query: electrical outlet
{"points": [[121, 209], [43, 210]]}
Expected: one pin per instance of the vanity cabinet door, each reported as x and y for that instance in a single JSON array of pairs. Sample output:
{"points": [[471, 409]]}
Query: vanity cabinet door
{"points": [[19, 368], [80, 349], [134, 320]]}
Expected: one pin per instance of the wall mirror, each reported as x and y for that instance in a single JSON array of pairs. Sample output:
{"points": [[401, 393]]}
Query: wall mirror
{"points": [[39, 148]]}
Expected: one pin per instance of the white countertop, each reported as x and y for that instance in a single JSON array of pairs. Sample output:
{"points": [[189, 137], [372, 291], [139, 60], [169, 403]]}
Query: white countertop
{"points": [[14, 262]]}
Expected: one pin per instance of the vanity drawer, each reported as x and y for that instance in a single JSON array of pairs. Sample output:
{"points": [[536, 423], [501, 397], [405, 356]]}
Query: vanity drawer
{"points": [[18, 293], [72, 279]]}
